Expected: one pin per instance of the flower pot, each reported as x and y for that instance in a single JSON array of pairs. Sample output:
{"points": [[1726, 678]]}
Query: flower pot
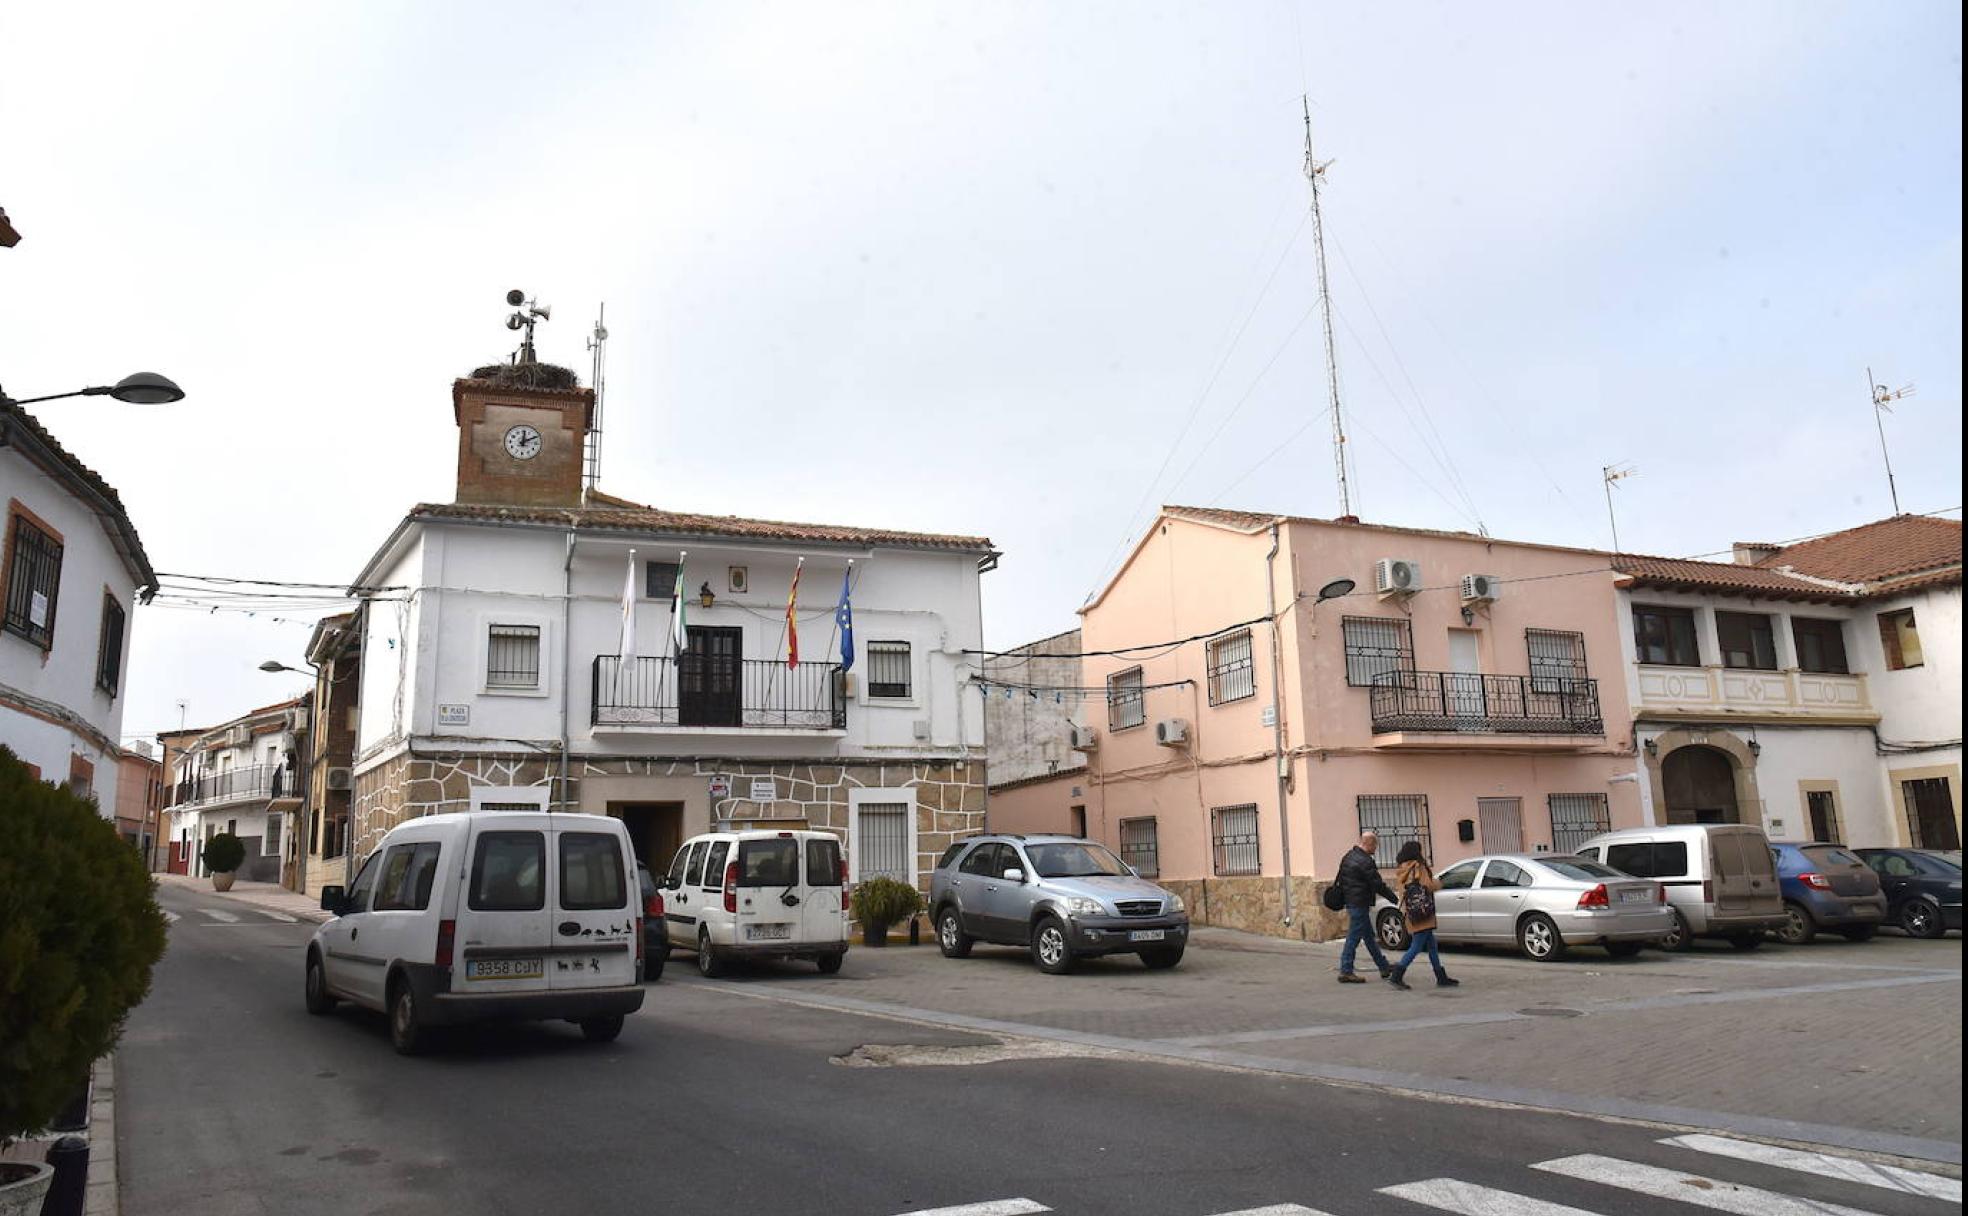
{"points": [[23, 1184], [222, 882], [874, 935]]}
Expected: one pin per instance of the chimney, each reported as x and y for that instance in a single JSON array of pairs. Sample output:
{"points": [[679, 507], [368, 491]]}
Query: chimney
{"points": [[1755, 553], [522, 429]]}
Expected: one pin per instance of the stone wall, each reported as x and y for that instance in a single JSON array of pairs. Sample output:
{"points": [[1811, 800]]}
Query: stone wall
{"points": [[1027, 732], [949, 795], [1255, 905]]}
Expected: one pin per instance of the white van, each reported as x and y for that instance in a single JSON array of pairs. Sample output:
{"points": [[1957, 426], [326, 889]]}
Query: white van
{"points": [[485, 916], [1720, 878], [761, 894]]}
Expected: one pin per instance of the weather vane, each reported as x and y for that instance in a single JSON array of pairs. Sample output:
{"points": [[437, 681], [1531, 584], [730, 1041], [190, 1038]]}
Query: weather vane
{"points": [[526, 313]]}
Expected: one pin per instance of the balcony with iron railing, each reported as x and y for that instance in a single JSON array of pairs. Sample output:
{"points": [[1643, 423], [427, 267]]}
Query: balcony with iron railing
{"points": [[711, 693], [1433, 708], [260, 782]]}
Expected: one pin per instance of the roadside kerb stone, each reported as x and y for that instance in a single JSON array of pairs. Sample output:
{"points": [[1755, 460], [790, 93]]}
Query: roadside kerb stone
{"points": [[271, 896]]}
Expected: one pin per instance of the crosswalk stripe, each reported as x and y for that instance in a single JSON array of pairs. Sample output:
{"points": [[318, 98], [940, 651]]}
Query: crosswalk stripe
{"points": [[1468, 1199], [995, 1207], [1691, 1189], [222, 916], [1824, 1165], [1276, 1209], [279, 916], [170, 917]]}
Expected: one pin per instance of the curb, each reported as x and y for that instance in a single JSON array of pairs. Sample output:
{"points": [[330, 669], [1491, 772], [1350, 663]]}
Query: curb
{"points": [[102, 1198]]}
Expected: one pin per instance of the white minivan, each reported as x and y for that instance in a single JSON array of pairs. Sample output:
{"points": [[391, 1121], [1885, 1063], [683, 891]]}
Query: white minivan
{"points": [[761, 894], [484, 916], [1720, 879]]}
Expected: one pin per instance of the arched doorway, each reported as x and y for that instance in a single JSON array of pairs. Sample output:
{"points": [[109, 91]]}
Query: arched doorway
{"points": [[1700, 785]]}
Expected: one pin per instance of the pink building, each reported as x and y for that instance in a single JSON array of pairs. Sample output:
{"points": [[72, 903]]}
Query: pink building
{"points": [[1467, 692]]}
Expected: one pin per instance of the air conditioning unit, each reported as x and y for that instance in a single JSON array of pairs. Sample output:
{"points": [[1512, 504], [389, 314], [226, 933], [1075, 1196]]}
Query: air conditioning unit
{"points": [[1480, 588], [1395, 576], [238, 736], [341, 778], [297, 720], [1172, 732], [1082, 738]]}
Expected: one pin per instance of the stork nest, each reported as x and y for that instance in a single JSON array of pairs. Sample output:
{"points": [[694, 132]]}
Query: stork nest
{"points": [[527, 375]]}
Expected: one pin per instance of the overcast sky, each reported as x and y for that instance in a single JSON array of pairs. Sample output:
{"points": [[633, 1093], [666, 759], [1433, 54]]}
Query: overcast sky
{"points": [[983, 269]]}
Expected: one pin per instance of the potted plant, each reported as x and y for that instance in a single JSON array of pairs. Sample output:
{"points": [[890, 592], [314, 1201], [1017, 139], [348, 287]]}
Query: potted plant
{"points": [[82, 933], [222, 855], [881, 902]]}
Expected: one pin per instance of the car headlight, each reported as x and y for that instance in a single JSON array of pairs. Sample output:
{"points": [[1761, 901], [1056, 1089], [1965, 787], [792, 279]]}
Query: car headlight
{"points": [[1175, 904], [1079, 905]]}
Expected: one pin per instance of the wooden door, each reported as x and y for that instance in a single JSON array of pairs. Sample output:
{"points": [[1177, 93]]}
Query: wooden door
{"points": [[708, 677]]}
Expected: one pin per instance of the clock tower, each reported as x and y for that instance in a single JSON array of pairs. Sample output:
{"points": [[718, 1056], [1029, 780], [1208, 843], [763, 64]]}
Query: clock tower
{"points": [[522, 430]]}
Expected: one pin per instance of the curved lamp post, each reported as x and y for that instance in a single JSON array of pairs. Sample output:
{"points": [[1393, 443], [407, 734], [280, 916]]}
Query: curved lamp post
{"points": [[141, 388]]}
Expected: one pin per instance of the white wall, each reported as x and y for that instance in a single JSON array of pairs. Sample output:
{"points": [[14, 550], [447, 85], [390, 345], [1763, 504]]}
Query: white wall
{"points": [[1846, 757], [390, 629], [65, 675], [1920, 704]]}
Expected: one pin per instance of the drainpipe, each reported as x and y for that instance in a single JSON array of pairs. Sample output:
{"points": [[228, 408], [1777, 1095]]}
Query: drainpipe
{"points": [[1278, 725], [566, 644]]}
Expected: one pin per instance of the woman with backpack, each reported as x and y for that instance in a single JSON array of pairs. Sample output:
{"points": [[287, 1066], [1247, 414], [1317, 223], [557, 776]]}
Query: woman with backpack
{"points": [[1416, 885]]}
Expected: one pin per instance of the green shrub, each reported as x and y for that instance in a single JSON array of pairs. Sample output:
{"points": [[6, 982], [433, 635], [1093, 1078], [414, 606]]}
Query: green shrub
{"points": [[223, 853], [885, 901], [79, 933]]}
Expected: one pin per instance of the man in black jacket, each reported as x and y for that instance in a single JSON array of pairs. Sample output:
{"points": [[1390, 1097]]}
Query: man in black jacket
{"points": [[1359, 881]]}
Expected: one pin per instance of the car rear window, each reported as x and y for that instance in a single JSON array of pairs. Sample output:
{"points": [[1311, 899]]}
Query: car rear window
{"points": [[1649, 859], [768, 863], [950, 854], [1578, 868], [591, 872], [1934, 863], [509, 872], [823, 863], [1826, 855]]}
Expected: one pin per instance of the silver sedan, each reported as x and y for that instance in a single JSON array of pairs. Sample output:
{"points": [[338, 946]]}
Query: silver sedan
{"points": [[1543, 903]]}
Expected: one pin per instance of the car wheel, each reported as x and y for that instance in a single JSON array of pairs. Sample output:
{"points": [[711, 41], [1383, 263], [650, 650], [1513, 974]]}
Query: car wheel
{"points": [[1921, 918], [652, 965], [1859, 933], [1680, 937], [1392, 929], [1538, 938], [407, 1033], [830, 964], [950, 936], [1622, 949], [1798, 927], [1746, 941], [318, 1000], [1050, 948], [709, 965], [601, 1030], [1161, 958]]}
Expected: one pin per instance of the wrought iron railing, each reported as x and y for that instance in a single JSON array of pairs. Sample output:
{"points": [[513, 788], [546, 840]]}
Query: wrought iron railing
{"points": [[1455, 701], [710, 690], [251, 781]]}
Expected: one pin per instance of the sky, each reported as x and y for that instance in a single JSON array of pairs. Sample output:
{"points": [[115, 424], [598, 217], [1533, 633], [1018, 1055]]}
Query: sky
{"points": [[1024, 270]]}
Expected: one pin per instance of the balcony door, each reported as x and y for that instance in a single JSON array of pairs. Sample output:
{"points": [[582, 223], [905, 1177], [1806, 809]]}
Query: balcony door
{"points": [[707, 677], [1462, 684]]}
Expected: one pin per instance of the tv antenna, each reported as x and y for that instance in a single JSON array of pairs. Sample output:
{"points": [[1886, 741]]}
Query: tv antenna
{"points": [[1882, 404], [525, 315], [1612, 473], [598, 347], [1315, 172]]}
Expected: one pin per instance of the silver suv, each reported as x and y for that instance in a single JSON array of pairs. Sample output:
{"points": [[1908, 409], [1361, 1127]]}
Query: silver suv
{"points": [[1062, 897]]}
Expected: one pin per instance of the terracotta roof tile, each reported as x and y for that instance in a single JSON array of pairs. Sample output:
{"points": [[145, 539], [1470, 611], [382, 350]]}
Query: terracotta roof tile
{"points": [[1722, 576], [630, 518], [1904, 544]]}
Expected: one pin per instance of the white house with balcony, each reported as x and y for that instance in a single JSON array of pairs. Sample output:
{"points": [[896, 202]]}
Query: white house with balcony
{"points": [[497, 672], [1812, 689], [72, 570], [241, 777]]}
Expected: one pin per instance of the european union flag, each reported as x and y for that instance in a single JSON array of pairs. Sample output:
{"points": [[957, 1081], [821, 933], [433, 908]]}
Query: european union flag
{"points": [[844, 618]]}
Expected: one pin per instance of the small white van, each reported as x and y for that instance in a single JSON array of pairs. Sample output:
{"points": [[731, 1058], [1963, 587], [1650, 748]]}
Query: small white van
{"points": [[482, 916], [760, 894], [1720, 878]]}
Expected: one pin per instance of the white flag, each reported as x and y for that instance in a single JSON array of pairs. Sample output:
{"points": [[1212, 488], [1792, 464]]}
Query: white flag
{"points": [[625, 646]]}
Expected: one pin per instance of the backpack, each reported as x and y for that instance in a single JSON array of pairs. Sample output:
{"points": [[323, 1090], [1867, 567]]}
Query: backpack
{"points": [[1417, 902]]}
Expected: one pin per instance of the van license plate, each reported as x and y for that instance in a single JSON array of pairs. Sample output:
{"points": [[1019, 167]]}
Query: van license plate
{"points": [[1146, 935], [768, 933], [505, 969], [1636, 897]]}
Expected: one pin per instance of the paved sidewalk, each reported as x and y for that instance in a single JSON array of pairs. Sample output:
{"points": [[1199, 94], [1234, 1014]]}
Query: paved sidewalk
{"points": [[100, 1198], [266, 896]]}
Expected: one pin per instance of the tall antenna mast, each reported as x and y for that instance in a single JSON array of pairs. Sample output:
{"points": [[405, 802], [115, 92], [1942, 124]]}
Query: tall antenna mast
{"points": [[598, 346], [1882, 404], [1612, 473], [1314, 173]]}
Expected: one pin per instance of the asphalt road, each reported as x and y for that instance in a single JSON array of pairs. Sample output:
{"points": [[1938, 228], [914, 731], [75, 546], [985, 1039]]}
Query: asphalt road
{"points": [[233, 1100]]}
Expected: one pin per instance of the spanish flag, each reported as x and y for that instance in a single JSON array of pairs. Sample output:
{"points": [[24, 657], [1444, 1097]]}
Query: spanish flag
{"points": [[792, 617]]}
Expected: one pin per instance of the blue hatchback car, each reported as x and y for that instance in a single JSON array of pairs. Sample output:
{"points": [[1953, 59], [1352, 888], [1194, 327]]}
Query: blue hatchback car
{"points": [[1826, 886]]}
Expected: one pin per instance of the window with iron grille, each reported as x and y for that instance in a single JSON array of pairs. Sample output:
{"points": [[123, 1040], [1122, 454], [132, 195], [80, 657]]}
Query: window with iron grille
{"points": [[1577, 818], [1396, 819], [1233, 839], [34, 561], [881, 841], [1374, 645], [660, 580], [109, 647], [512, 657], [888, 669], [1125, 705], [1139, 847], [1230, 674], [1557, 659]]}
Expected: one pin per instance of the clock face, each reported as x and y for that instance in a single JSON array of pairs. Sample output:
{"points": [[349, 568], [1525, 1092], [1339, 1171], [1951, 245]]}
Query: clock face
{"points": [[522, 442]]}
